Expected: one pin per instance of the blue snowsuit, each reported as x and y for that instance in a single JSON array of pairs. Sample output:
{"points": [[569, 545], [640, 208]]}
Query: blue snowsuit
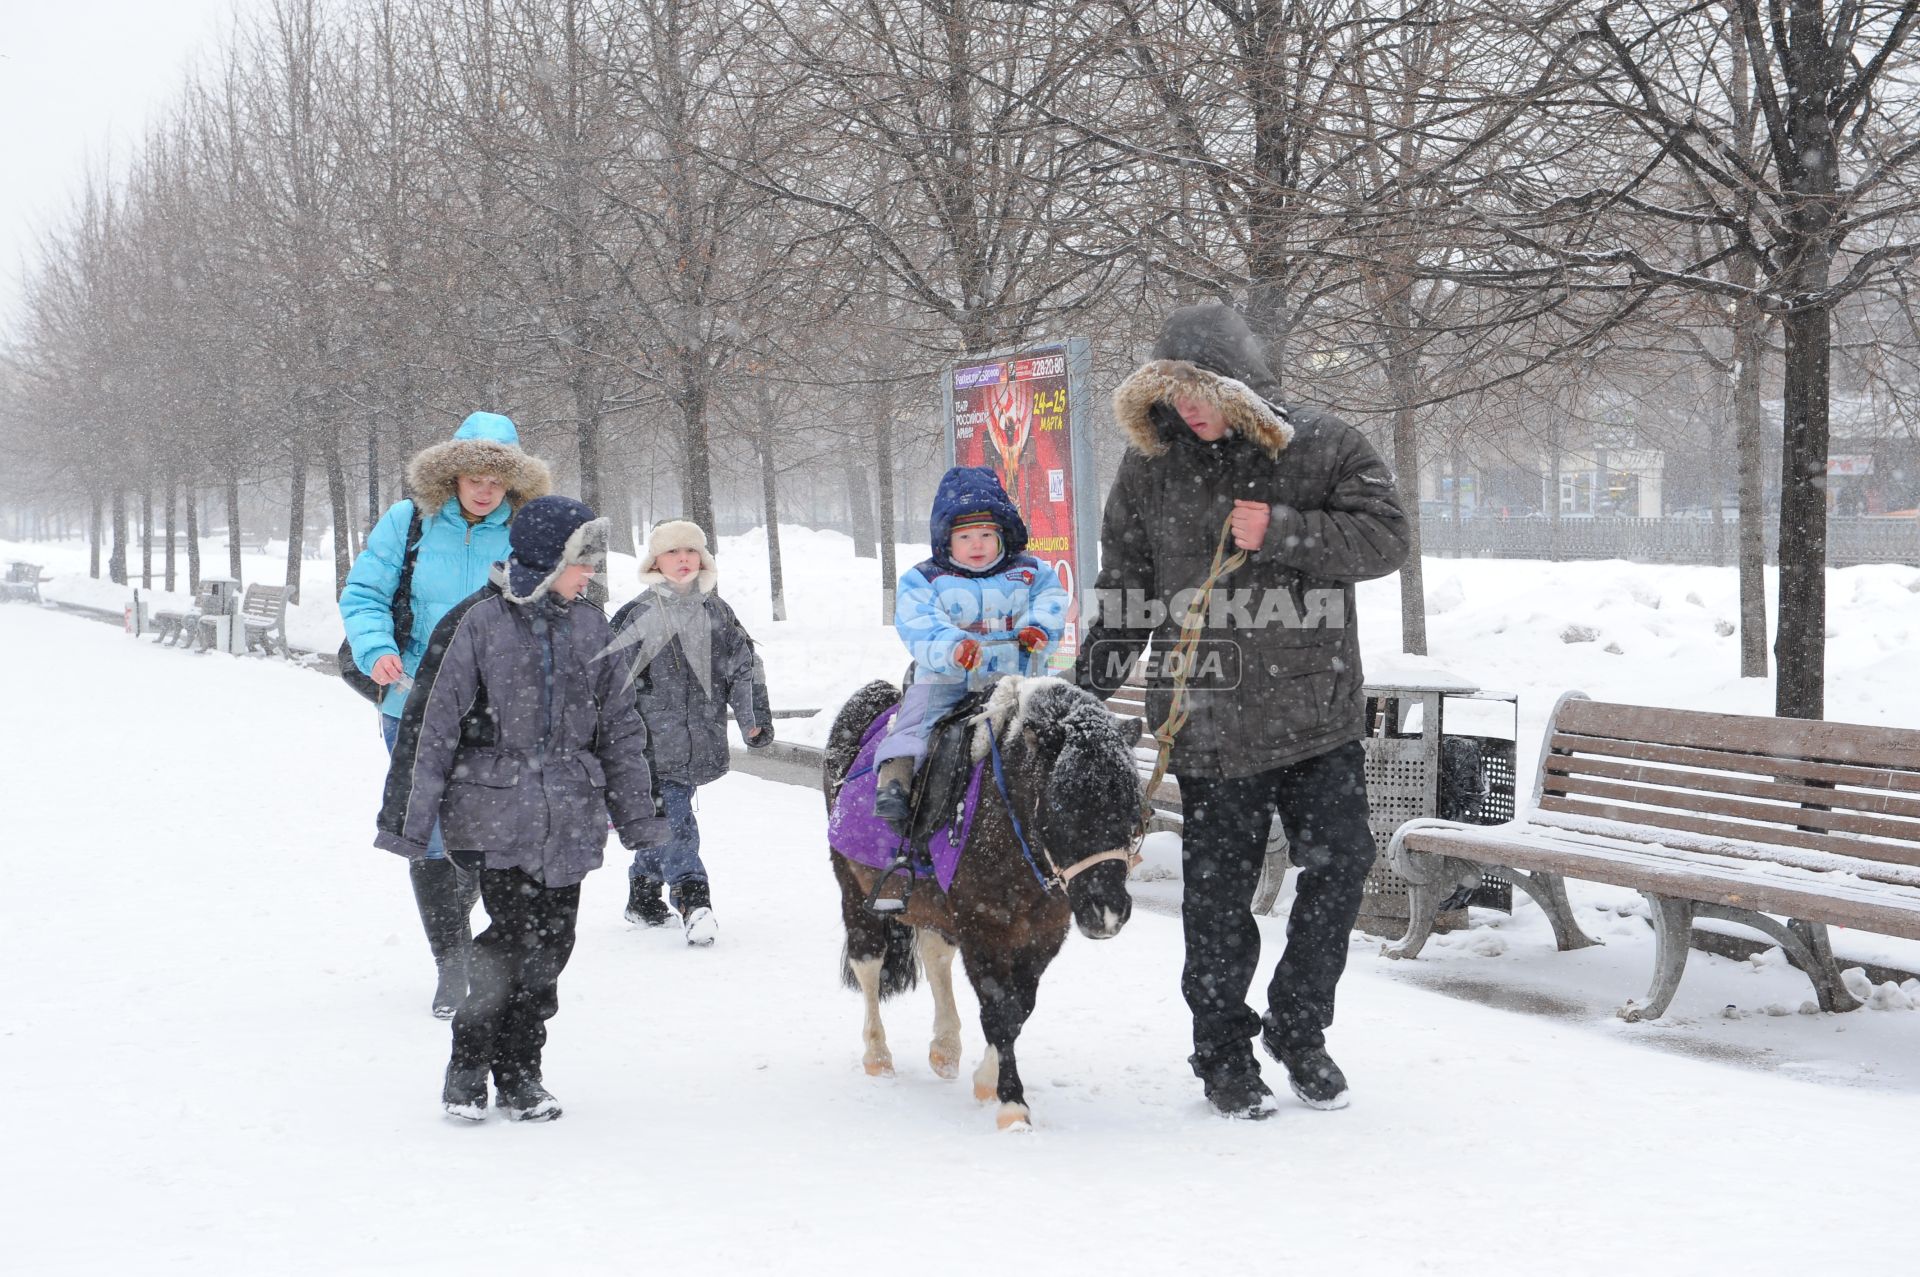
{"points": [[940, 604]]}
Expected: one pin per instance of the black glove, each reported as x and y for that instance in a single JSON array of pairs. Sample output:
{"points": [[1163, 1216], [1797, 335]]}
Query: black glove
{"points": [[760, 737]]}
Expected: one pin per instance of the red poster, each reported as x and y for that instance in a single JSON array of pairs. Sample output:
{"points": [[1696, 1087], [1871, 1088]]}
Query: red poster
{"points": [[1011, 415]]}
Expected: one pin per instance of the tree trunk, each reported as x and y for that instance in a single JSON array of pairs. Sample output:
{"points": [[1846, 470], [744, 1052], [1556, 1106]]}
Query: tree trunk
{"points": [[1716, 449], [587, 432], [173, 500], [193, 538], [117, 558], [233, 521], [1800, 641], [770, 506], [337, 504], [1403, 382], [94, 537], [1553, 492], [883, 466], [859, 509], [146, 536], [1413, 586], [296, 528], [618, 510], [1750, 442], [373, 475], [696, 459]]}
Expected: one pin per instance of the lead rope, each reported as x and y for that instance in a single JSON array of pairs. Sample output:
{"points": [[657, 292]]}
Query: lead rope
{"points": [[1190, 626]]}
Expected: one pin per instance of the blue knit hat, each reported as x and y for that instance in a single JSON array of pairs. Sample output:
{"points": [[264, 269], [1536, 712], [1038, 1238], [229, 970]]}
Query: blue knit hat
{"points": [[547, 535]]}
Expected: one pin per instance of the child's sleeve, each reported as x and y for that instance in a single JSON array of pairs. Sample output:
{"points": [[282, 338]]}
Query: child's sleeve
{"points": [[620, 742], [923, 625], [1047, 604], [745, 678], [423, 751]]}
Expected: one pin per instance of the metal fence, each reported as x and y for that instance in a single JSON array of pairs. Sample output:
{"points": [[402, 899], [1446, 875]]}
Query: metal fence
{"points": [[1850, 541]]}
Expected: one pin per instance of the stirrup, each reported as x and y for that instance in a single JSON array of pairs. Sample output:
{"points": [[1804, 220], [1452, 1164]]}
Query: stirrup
{"points": [[900, 864]]}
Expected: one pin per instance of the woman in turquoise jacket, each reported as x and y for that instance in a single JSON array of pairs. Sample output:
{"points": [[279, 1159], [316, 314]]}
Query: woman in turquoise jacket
{"points": [[465, 489]]}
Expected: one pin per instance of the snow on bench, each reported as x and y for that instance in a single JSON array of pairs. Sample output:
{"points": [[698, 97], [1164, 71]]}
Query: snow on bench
{"points": [[23, 582], [1725, 816], [264, 614]]}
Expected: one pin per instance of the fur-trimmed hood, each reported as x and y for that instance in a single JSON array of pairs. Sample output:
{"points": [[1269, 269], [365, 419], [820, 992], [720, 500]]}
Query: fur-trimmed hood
{"points": [[679, 534], [485, 443], [1206, 353]]}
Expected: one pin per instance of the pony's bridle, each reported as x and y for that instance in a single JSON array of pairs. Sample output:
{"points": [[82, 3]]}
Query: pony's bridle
{"points": [[1053, 876]]}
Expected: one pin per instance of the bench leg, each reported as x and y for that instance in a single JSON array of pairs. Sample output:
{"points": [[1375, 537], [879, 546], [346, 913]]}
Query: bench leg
{"points": [[1672, 940], [1805, 943], [1423, 908], [1820, 966], [1549, 891]]}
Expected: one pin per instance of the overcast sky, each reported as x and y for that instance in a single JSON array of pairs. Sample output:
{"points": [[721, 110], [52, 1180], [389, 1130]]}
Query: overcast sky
{"points": [[79, 79]]}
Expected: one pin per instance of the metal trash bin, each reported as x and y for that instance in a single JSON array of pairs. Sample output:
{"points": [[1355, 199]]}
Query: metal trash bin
{"points": [[1415, 769]]}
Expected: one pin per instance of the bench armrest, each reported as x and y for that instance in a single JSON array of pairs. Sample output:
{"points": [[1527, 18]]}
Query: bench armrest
{"points": [[1417, 867]]}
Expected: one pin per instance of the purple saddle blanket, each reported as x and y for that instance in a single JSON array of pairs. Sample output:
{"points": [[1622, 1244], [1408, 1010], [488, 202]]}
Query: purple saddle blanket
{"points": [[855, 832]]}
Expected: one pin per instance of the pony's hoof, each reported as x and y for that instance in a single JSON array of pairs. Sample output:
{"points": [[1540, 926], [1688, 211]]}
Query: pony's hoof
{"points": [[985, 1093], [1013, 1117], [878, 1068], [944, 1065]]}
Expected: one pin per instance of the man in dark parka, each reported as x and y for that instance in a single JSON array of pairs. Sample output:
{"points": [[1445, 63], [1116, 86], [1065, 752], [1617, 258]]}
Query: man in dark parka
{"points": [[1276, 708]]}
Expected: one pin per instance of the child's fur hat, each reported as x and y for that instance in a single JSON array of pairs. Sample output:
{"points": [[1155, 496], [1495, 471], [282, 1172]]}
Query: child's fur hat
{"points": [[678, 534]]}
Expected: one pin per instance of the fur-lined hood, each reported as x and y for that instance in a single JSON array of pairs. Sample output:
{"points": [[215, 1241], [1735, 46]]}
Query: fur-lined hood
{"points": [[678, 534], [1206, 353], [485, 443]]}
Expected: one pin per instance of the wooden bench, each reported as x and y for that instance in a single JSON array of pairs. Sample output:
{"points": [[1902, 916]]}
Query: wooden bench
{"points": [[1787, 826], [181, 629], [23, 582], [263, 613]]}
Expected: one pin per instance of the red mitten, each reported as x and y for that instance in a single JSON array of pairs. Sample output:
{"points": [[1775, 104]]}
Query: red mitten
{"points": [[1032, 639], [966, 653]]}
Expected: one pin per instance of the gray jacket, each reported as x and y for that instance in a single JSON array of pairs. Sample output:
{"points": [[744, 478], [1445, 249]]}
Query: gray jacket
{"points": [[686, 716], [519, 739], [1286, 684]]}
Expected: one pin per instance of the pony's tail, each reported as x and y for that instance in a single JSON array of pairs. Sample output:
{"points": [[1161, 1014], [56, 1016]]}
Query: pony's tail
{"points": [[899, 962]]}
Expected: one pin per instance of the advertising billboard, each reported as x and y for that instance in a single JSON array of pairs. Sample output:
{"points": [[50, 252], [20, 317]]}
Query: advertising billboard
{"points": [[1024, 415]]}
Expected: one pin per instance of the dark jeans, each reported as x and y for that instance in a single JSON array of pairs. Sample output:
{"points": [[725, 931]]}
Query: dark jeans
{"points": [[678, 859], [514, 973], [1322, 805]]}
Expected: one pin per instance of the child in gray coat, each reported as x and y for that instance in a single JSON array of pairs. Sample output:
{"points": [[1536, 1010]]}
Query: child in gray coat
{"points": [[689, 660]]}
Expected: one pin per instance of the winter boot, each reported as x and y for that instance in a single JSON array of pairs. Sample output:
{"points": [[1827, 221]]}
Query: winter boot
{"points": [[523, 1099], [645, 908], [1240, 1095], [1315, 1078], [445, 897], [893, 800], [696, 912], [450, 990], [464, 1097]]}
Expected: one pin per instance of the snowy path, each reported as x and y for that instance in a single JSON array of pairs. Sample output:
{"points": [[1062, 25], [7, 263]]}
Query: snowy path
{"points": [[216, 1043]]}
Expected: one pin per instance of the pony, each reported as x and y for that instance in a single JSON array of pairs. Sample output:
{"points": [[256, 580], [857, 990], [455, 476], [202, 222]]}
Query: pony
{"points": [[1072, 796]]}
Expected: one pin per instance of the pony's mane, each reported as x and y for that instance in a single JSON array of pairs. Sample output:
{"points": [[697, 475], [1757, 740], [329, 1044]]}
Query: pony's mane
{"points": [[1015, 702]]}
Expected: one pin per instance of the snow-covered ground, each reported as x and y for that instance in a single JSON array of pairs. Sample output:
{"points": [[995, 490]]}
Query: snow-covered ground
{"points": [[217, 1044]]}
